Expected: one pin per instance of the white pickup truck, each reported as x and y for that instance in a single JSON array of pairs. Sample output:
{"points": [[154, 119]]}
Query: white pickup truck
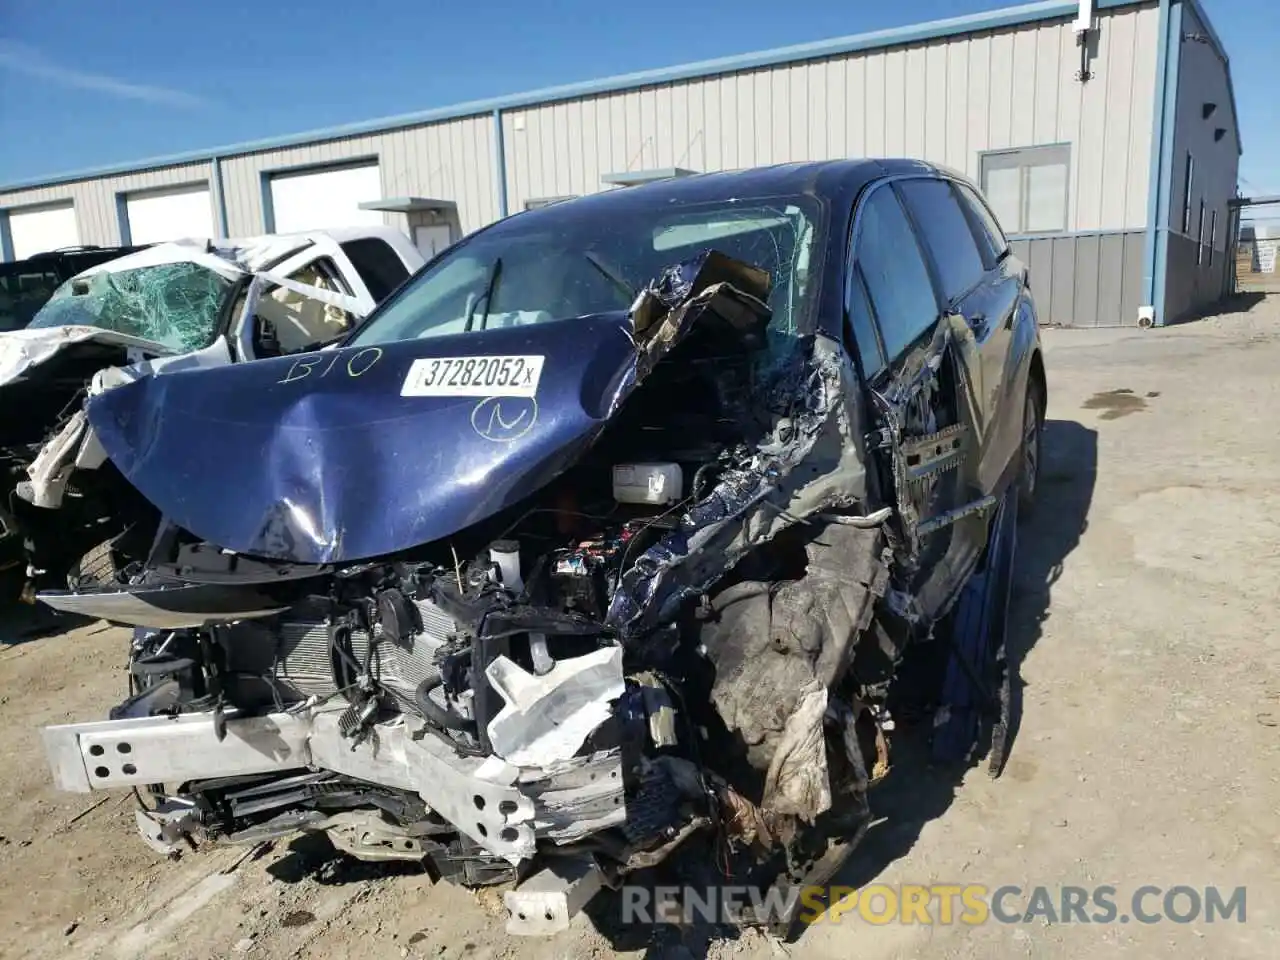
{"points": [[170, 307]]}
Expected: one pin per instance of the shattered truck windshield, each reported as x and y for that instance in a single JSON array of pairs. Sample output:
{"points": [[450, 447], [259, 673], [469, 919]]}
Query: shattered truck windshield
{"points": [[583, 259], [177, 305]]}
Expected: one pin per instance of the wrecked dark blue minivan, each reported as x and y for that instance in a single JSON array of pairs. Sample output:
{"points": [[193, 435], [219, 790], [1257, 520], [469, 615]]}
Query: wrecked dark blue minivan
{"points": [[601, 541]]}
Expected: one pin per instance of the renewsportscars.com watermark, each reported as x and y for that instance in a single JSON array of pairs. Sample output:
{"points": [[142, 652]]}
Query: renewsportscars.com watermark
{"points": [[934, 904]]}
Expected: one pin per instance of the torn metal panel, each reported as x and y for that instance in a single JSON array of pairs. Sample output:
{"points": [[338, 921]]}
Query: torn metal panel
{"points": [[762, 495], [547, 718], [76, 446], [21, 350]]}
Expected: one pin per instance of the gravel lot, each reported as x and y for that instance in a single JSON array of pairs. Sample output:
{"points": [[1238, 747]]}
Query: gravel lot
{"points": [[1148, 750]]}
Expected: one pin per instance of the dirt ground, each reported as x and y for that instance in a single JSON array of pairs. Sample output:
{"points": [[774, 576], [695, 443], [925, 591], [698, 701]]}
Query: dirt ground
{"points": [[1148, 750]]}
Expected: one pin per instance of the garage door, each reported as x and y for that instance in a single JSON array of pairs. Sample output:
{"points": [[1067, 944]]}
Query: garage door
{"points": [[44, 228], [172, 214], [318, 199]]}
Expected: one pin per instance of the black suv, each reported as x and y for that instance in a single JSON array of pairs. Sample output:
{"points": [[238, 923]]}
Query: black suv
{"points": [[27, 285]]}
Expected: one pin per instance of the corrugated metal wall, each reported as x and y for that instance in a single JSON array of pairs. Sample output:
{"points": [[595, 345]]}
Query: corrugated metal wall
{"points": [[95, 200], [445, 161], [945, 101], [1086, 280], [452, 160]]}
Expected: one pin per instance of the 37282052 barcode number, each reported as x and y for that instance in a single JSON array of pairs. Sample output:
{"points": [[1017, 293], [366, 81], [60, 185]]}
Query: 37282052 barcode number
{"points": [[473, 377]]}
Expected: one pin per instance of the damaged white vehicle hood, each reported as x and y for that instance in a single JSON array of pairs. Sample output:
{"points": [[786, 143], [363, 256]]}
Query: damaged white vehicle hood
{"points": [[23, 351], [20, 350]]}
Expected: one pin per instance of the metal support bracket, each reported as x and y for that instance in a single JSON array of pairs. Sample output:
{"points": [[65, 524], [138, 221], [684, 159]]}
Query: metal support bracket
{"points": [[546, 902]]}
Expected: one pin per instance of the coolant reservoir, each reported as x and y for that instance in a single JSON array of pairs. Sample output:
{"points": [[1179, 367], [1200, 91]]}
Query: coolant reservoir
{"points": [[647, 482]]}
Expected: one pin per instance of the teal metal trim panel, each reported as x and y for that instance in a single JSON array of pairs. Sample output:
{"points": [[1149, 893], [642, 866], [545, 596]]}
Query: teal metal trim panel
{"points": [[219, 197], [1161, 115], [934, 30], [6, 238], [499, 163], [122, 219], [268, 203], [1164, 185]]}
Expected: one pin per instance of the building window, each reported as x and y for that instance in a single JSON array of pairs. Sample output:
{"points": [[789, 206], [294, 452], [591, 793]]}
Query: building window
{"points": [[1213, 236], [1200, 238], [1028, 189], [1186, 195]]}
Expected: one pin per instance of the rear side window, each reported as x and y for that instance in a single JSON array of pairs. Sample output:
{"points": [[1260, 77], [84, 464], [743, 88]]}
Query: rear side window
{"points": [[990, 236], [894, 271], [378, 265], [24, 289], [946, 233]]}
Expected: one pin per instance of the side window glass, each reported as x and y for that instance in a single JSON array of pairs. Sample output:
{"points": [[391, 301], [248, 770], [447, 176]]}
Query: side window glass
{"points": [[23, 291], [378, 265], [291, 322], [946, 233], [897, 280], [990, 236], [863, 326]]}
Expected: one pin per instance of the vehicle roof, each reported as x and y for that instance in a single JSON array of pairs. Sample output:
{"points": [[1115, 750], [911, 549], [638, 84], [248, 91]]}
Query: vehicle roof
{"points": [[836, 180], [234, 256], [340, 234]]}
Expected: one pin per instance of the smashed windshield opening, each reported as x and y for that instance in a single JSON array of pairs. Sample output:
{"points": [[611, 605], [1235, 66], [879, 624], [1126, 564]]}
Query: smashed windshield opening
{"points": [[174, 304], [591, 259]]}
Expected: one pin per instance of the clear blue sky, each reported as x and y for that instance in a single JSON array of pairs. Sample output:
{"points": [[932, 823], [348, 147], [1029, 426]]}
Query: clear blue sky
{"points": [[88, 82]]}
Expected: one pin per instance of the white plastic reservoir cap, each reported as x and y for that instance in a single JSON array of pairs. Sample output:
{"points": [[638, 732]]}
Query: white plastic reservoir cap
{"points": [[647, 482]]}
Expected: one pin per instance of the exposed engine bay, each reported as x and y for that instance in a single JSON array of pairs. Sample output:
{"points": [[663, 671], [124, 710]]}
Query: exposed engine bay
{"points": [[685, 640]]}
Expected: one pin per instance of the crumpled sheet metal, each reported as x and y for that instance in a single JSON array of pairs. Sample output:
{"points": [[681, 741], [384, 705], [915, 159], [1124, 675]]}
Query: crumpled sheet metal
{"points": [[76, 446], [811, 463], [547, 718], [325, 451], [20, 350]]}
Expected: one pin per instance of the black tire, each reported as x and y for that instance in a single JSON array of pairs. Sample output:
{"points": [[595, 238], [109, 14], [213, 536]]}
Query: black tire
{"points": [[1030, 450], [97, 568]]}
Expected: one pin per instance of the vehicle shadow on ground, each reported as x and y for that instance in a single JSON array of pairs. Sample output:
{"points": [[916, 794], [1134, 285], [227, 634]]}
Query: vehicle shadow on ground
{"points": [[310, 856], [23, 622], [917, 790]]}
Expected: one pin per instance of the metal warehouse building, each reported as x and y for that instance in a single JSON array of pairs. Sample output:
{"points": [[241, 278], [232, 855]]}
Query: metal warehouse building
{"points": [[1106, 139]]}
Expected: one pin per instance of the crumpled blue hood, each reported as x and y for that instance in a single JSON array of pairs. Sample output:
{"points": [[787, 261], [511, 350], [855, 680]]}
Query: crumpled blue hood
{"points": [[321, 458]]}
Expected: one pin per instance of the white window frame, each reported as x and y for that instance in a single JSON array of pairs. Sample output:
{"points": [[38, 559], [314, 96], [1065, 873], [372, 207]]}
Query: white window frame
{"points": [[1187, 193], [1200, 238], [1023, 159]]}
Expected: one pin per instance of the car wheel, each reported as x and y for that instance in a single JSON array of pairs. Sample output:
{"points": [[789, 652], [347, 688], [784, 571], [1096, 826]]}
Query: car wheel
{"points": [[97, 568], [1030, 449]]}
